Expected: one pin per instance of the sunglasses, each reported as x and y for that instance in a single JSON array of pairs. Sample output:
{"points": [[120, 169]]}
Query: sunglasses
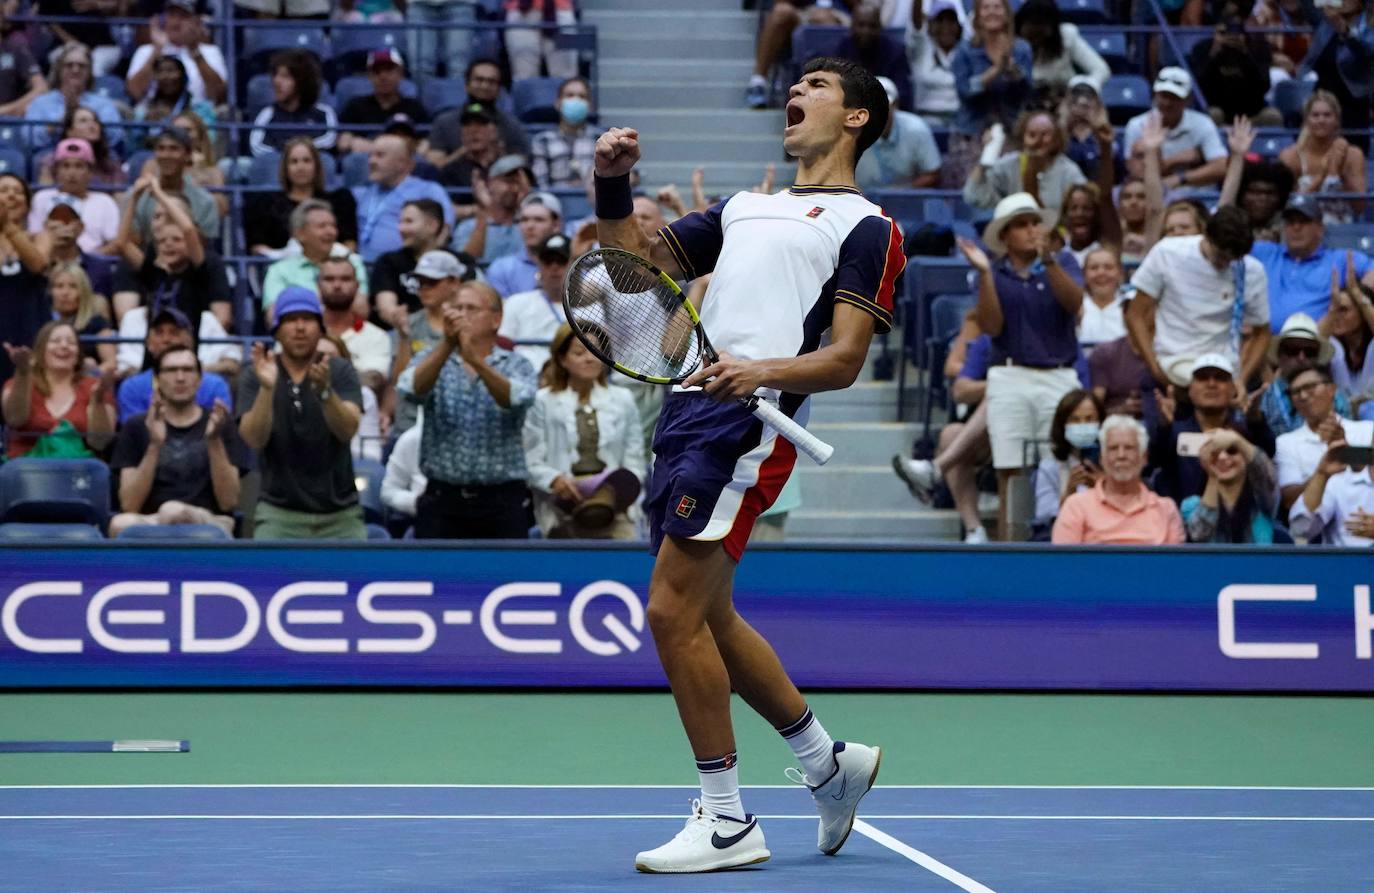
{"points": [[1305, 391], [1229, 451], [1310, 353]]}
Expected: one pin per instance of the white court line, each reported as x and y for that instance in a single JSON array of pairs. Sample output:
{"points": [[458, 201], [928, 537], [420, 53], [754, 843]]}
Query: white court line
{"points": [[664, 816], [926, 861], [747, 787]]}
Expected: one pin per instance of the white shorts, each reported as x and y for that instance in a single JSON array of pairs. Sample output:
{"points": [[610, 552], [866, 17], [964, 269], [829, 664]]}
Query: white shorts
{"points": [[1021, 404]]}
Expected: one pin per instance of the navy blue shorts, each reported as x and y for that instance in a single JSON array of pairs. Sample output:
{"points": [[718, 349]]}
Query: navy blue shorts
{"points": [[716, 468]]}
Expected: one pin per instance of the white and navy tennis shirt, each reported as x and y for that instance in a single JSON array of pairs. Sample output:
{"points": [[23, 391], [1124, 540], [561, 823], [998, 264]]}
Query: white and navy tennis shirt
{"points": [[782, 261]]}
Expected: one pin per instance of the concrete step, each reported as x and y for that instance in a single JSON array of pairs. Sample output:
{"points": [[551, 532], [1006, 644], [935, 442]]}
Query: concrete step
{"points": [[870, 444], [722, 177], [690, 123], [912, 525], [672, 70], [702, 91], [867, 488], [864, 401], [590, 7], [739, 148], [704, 47], [664, 27]]}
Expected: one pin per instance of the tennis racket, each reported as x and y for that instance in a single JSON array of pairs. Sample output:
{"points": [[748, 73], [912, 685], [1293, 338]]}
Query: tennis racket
{"points": [[634, 318]]}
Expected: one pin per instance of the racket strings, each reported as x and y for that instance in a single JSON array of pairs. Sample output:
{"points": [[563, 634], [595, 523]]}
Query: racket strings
{"points": [[631, 318]]}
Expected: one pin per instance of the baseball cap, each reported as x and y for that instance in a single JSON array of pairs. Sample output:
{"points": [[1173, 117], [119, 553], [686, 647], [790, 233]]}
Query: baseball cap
{"points": [[169, 313], [78, 149], [1175, 80], [387, 56], [439, 265], [546, 199], [556, 248], [507, 164], [890, 89], [1085, 82], [475, 113], [1212, 361], [401, 124], [1303, 205], [295, 299], [66, 204]]}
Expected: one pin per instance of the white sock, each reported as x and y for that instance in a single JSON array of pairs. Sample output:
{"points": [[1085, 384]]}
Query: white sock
{"points": [[757, 80], [720, 787], [813, 747]]}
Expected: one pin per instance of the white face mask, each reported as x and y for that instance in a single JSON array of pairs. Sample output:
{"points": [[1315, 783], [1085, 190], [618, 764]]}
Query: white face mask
{"points": [[1081, 434]]}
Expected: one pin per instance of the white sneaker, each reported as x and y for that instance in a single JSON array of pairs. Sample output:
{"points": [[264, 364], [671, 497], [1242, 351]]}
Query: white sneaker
{"points": [[837, 798], [707, 843], [976, 536], [919, 475]]}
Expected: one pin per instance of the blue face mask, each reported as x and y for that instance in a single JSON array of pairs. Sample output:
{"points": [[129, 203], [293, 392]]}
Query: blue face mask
{"points": [[1081, 434], [574, 110]]}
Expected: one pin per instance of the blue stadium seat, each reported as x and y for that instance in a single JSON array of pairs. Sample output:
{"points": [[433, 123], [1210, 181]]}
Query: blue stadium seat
{"points": [[49, 532], [173, 532], [112, 88], [1270, 144], [55, 490], [1083, 12], [133, 165], [946, 317], [810, 41], [349, 88], [261, 41], [354, 169], [1289, 97], [377, 532], [264, 169], [441, 94], [534, 100], [368, 474], [14, 161], [1125, 96], [1186, 40], [1351, 236], [1111, 46], [259, 95], [351, 46]]}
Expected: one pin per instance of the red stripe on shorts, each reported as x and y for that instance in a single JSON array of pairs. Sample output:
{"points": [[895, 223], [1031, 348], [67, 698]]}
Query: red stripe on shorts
{"points": [[773, 473]]}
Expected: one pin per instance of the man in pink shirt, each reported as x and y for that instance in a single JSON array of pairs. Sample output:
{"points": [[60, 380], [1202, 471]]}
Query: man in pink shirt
{"points": [[73, 165], [1120, 510]]}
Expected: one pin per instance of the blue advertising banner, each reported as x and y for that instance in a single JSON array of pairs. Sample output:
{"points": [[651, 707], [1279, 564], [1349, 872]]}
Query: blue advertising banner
{"points": [[548, 615]]}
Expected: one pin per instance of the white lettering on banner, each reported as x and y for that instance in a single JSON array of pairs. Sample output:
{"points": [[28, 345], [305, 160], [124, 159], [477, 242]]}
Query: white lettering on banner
{"points": [[388, 617], [611, 622], [495, 636], [9, 618], [252, 616], [278, 604], [1364, 623], [1243, 592], [95, 620]]}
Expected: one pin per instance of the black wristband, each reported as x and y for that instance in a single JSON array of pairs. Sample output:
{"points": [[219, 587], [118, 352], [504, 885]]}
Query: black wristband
{"points": [[614, 201]]}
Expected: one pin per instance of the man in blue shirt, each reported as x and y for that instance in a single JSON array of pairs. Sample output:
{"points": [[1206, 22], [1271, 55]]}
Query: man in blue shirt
{"points": [[392, 185], [170, 326], [541, 215], [1299, 270]]}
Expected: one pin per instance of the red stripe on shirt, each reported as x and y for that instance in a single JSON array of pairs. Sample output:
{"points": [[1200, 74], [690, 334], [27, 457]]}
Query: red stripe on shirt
{"points": [[893, 264]]}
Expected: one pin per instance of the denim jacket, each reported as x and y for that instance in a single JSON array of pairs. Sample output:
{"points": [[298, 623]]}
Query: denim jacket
{"points": [[1002, 100], [1354, 55]]}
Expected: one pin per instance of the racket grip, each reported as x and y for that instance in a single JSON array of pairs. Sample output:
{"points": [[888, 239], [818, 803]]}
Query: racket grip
{"points": [[816, 449]]}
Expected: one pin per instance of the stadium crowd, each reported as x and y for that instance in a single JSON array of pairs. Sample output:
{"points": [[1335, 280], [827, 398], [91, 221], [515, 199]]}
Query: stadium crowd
{"points": [[1157, 332]]}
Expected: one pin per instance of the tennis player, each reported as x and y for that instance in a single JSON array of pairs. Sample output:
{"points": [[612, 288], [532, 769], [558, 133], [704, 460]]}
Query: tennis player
{"points": [[787, 269]]}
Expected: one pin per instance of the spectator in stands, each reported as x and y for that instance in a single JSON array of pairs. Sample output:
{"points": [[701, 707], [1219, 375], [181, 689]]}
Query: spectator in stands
{"points": [[179, 36], [1102, 318], [395, 289], [881, 55], [71, 71], [389, 167], [204, 170], [905, 156], [1073, 463], [367, 346], [385, 70], [81, 123], [179, 463], [74, 302], [481, 147], [177, 269], [1232, 68], [1120, 509], [446, 37], [1237, 504], [301, 413], [267, 215], [930, 43], [1297, 453], [367, 440], [563, 157], [1087, 220], [1289, 45], [170, 94], [524, 45], [49, 388], [92, 35], [74, 164], [493, 231], [1337, 504], [314, 228], [59, 242], [1058, 50], [1040, 168], [1265, 187], [1349, 327], [475, 396], [1186, 217], [1190, 286], [1028, 302], [1193, 153], [1081, 119], [21, 78], [22, 267], [172, 153], [541, 216], [439, 280], [1120, 378], [536, 314], [291, 9], [169, 327], [583, 446], [1300, 269], [1325, 161], [992, 75], [1297, 345], [483, 84], [1342, 57], [775, 36], [404, 483], [1141, 201], [296, 82]]}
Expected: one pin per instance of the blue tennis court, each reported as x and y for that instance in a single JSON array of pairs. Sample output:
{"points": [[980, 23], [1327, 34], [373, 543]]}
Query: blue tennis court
{"points": [[488, 837]]}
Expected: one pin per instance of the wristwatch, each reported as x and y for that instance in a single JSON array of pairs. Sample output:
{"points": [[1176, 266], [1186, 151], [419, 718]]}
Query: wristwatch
{"points": [[325, 395]]}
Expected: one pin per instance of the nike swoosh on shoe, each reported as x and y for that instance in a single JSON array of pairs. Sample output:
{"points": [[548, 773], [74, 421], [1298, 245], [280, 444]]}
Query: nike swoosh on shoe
{"points": [[723, 843]]}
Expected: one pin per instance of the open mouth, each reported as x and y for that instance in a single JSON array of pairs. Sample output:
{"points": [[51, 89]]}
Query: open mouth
{"points": [[795, 114]]}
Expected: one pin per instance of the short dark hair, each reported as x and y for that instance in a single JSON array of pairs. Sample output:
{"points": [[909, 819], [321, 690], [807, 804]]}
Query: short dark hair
{"points": [[1059, 444], [861, 91], [338, 259], [304, 70], [1042, 12], [176, 348], [428, 207], [1229, 230], [1280, 175], [1322, 369], [480, 60]]}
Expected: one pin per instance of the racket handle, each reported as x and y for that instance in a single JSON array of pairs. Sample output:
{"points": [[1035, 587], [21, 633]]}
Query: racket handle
{"points": [[818, 450]]}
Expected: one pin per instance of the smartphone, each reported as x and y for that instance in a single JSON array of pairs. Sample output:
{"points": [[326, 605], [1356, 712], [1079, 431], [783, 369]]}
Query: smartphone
{"points": [[1190, 443], [1359, 457], [1091, 454]]}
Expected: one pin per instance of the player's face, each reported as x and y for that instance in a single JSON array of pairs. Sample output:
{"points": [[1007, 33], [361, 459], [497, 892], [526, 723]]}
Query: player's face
{"points": [[816, 115]]}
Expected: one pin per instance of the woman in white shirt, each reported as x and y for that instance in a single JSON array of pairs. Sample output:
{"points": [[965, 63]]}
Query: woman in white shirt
{"points": [[1349, 326], [931, 39], [1060, 52], [579, 428], [1074, 461], [1100, 319]]}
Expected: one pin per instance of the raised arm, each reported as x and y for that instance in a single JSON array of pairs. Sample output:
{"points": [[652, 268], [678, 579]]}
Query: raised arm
{"points": [[617, 152]]}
